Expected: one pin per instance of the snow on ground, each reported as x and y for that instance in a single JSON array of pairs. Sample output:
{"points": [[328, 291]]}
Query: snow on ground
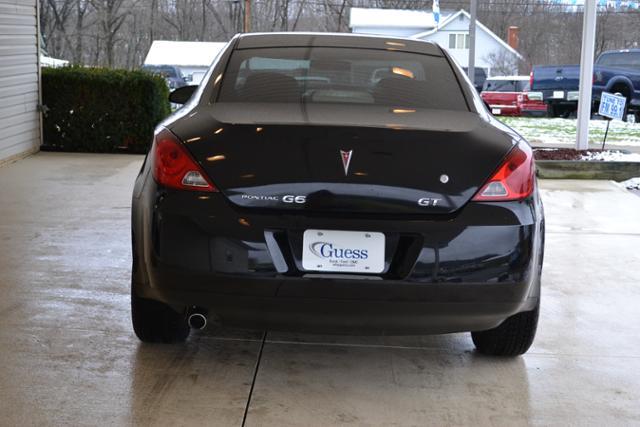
{"points": [[632, 184], [563, 131], [611, 156]]}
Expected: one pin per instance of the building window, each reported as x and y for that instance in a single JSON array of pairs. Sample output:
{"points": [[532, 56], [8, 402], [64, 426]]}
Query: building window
{"points": [[458, 41]]}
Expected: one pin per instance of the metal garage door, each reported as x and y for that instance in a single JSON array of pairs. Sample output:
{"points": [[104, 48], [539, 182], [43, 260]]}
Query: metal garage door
{"points": [[19, 90]]}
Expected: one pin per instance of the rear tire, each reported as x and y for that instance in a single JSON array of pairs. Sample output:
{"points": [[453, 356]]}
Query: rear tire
{"points": [[155, 322], [512, 337]]}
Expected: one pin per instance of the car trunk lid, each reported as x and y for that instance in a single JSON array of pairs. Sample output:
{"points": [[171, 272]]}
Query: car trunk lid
{"points": [[344, 159]]}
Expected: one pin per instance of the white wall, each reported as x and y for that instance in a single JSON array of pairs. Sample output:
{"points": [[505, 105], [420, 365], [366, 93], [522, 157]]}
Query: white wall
{"points": [[19, 79]]}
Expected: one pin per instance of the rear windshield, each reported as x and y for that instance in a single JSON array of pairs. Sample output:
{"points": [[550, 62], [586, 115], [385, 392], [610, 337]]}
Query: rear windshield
{"points": [[341, 76], [621, 60], [506, 85]]}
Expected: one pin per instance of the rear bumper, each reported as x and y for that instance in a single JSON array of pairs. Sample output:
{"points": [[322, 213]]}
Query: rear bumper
{"points": [[469, 271], [344, 306], [561, 103], [505, 110], [534, 111]]}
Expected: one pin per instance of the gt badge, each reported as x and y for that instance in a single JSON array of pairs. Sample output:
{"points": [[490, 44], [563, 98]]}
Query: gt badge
{"points": [[346, 159], [428, 201]]}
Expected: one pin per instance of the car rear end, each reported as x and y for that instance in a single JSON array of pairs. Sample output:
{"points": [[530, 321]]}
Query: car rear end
{"points": [[531, 103], [302, 190], [559, 85], [502, 94]]}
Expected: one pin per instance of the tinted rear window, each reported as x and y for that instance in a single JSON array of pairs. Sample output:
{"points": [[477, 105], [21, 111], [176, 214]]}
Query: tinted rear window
{"points": [[621, 60], [341, 76], [163, 71], [500, 86]]}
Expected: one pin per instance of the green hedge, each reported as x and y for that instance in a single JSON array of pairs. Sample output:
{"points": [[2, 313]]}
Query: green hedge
{"points": [[101, 110]]}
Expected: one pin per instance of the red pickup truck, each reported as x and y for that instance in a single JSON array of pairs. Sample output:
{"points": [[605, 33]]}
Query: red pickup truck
{"points": [[510, 96]]}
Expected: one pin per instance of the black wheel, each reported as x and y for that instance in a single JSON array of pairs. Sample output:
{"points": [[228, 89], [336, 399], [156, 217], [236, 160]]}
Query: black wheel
{"points": [[156, 322], [513, 337]]}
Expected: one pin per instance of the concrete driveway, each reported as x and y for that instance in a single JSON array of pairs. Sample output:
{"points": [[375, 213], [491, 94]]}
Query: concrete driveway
{"points": [[68, 355]]}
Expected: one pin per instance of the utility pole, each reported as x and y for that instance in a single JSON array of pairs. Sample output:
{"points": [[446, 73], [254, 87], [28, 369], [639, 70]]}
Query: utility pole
{"points": [[471, 69], [247, 16], [586, 74]]}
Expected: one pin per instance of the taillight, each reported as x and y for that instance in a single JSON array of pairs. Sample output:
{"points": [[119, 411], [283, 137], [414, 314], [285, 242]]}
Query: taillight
{"points": [[531, 80], [174, 167], [513, 180]]}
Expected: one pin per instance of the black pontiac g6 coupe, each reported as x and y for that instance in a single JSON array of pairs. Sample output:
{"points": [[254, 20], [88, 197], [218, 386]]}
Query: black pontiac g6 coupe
{"points": [[340, 184]]}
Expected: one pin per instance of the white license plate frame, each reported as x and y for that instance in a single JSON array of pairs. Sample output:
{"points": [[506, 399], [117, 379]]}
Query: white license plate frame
{"points": [[338, 251]]}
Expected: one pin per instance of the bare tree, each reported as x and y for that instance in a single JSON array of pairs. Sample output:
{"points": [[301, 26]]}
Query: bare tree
{"points": [[80, 27], [111, 16], [118, 33], [54, 23], [502, 63]]}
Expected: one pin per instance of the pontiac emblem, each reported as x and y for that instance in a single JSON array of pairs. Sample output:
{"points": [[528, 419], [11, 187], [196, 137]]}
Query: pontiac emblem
{"points": [[346, 159]]}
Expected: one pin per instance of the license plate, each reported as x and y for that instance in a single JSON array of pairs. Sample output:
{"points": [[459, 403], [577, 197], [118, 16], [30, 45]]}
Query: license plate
{"points": [[343, 251], [558, 94], [496, 111]]}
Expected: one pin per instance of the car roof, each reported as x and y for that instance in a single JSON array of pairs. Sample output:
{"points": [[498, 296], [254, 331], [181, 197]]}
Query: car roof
{"points": [[341, 40], [508, 78]]}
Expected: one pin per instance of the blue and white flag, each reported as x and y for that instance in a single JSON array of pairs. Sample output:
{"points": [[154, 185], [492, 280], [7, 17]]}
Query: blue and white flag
{"points": [[436, 11]]}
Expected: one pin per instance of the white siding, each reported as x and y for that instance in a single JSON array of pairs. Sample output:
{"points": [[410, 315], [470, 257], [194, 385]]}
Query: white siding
{"points": [[485, 43], [19, 88]]}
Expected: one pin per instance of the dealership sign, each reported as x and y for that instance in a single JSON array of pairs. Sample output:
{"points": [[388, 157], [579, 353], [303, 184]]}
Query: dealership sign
{"points": [[612, 106]]}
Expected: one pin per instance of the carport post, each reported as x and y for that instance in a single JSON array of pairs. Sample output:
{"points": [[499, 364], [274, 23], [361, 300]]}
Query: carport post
{"points": [[586, 74]]}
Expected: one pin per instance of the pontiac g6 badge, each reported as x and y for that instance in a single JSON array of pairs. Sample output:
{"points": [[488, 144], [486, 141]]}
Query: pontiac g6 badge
{"points": [[346, 159]]}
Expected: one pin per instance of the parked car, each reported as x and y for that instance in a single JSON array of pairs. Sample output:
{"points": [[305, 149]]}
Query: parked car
{"points": [[172, 75], [616, 71], [479, 77], [501, 94], [395, 207]]}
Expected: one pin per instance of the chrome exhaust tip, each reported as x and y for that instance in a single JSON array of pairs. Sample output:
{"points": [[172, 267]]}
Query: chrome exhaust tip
{"points": [[197, 321]]}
